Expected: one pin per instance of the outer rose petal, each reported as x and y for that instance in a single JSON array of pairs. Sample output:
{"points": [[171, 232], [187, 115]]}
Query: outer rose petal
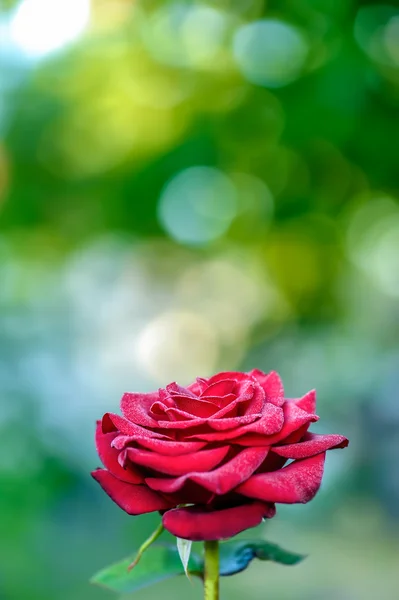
{"points": [[178, 465], [298, 482], [166, 447], [271, 384], [133, 499], [109, 457], [295, 419], [136, 408], [307, 402], [112, 422], [219, 481], [312, 444], [194, 523]]}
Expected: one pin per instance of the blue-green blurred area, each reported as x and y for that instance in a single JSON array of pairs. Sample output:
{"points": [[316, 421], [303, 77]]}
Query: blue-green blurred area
{"points": [[187, 187]]}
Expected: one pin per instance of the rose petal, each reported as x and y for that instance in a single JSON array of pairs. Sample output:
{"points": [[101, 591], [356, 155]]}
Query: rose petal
{"points": [[251, 401], [220, 480], [271, 384], [221, 401], [233, 422], [133, 499], [298, 482], [236, 376], [175, 414], [192, 493], [219, 388], [158, 410], [295, 420], [307, 402], [199, 385], [271, 422], [229, 410], [178, 465], [112, 422], [197, 524], [166, 447], [109, 457], [165, 398], [218, 424], [196, 406], [173, 389], [136, 408], [295, 436], [107, 424], [313, 444], [185, 421]]}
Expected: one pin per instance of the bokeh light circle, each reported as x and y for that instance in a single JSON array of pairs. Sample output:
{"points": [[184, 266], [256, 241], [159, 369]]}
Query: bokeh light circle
{"points": [[177, 346], [198, 205], [270, 52]]}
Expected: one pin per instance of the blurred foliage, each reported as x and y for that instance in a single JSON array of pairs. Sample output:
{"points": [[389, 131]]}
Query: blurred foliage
{"points": [[190, 186]]}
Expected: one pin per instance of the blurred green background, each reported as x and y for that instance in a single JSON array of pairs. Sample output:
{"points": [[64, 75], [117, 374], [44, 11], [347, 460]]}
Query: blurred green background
{"points": [[187, 187]]}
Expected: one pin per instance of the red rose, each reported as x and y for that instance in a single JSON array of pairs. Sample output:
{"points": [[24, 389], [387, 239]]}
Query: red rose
{"points": [[218, 445]]}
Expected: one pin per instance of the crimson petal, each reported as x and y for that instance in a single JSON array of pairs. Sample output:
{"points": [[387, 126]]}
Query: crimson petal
{"points": [[179, 465], [232, 422], [219, 481], [112, 422], [136, 408], [236, 376], [251, 403], [312, 444], [295, 419], [133, 499], [219, 388], [271, 385], [175, 389], [298, 482], [109, 457], [185, 424], [271, 422], [199, 385], [198, 524], [195, 406], [307, 402], [166, 447]]}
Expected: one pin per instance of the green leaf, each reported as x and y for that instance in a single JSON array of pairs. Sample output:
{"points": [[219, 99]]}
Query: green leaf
{"points": [[236, 556], [158, 563], [162, 561]]}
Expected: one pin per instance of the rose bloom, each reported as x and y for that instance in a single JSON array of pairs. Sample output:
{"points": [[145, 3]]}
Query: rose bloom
{"points": [[210, 456]]}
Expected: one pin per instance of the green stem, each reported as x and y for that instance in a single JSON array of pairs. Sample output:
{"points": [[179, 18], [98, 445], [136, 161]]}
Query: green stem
{"points": [[154, 536], [211, 571]]}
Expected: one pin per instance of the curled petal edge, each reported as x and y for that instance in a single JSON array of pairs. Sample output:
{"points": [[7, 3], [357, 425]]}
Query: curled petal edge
{"points": [[198, 524]]}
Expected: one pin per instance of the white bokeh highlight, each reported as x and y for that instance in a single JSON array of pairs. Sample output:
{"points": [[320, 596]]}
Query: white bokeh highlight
{"points": [[40, 27]]}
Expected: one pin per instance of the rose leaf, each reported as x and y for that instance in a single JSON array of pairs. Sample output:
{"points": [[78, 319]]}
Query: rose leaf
{"points": [[159, 562], [236, 556]]}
